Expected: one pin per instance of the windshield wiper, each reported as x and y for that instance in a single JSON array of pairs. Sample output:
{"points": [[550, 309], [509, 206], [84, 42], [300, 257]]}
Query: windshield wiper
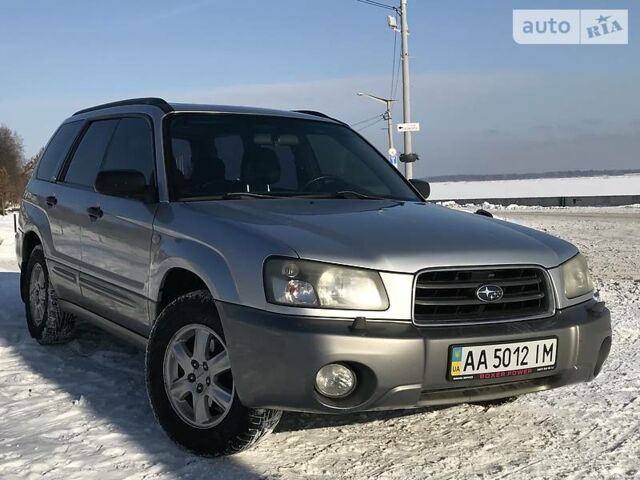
{"points": [[345, 194], [233, 195], [348, 194], [226, 196]]}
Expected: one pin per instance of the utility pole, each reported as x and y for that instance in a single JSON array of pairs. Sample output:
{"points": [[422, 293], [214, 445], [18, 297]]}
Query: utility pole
{"points": [[408, 156], [406, 92], [388, 117]]}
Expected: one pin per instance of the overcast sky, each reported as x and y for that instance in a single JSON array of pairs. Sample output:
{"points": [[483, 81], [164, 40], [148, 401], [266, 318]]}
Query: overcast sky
{"points": [[486, 104]]}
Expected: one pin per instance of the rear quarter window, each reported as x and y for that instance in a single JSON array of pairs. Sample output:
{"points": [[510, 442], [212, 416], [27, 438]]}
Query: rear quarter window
{"points": [[56, 151]]}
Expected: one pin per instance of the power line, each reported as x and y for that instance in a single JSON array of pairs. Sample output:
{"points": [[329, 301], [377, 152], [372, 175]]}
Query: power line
{"points": [[393, 63], [376, 122], [371, 123], [365, 121], [378, 4], [401, 11], [395, 89]]}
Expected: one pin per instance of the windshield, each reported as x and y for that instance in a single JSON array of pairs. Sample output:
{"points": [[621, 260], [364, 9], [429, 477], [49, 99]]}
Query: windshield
{"points": [[231, 155]]}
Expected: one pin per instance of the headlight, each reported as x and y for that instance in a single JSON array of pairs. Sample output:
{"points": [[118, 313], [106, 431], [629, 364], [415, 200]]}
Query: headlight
{"points": [[577, 281], [313, 284]]}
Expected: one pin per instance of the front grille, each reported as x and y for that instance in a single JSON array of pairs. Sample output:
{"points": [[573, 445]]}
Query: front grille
{"points": [[449, 296]]}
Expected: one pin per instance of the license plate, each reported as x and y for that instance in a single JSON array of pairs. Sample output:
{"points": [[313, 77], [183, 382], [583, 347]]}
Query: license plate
{"points": [[502, 360]]}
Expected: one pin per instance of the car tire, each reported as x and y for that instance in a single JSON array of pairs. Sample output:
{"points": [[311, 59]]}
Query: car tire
{"points": [[198, 406], [47, 323]]}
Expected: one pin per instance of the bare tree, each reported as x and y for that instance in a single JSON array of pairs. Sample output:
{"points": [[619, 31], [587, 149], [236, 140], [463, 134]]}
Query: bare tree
{"points": [[4, 189], [25, 174], [11, 163]]}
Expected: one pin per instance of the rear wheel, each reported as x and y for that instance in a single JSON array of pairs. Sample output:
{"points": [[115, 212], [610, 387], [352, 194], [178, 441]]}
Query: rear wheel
{"points": [[47, 323], [190, 382]]}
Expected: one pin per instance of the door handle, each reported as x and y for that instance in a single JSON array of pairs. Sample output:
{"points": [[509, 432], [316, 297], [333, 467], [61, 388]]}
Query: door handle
{"points": [[95, 213], [51, 201]]}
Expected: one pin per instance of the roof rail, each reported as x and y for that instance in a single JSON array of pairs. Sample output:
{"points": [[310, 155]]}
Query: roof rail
{"points": [[319, 114], [156, 102]]}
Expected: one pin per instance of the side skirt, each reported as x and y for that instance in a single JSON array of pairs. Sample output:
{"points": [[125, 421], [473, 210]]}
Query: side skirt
{"points": [[107, 325]]}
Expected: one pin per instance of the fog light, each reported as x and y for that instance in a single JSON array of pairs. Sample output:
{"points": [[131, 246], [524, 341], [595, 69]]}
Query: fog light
{"points": [[335, 380]]}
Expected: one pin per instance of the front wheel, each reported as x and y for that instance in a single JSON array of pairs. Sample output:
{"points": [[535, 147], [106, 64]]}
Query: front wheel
{"points": [[190, 382]]}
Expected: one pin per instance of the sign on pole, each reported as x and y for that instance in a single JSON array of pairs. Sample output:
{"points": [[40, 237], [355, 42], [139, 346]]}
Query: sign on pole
{"points": [[409, 127], [393, 157]]}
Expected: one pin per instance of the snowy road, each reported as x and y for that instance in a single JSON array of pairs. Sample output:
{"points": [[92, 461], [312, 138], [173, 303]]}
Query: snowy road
{"points": [[80, 411]]}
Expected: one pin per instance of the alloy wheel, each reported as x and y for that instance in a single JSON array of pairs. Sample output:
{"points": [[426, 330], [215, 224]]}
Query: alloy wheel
{"points": [[37, 294], [197, 376]]}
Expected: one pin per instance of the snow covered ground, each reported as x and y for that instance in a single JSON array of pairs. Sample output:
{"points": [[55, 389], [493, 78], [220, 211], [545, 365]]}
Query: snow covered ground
{"points": [[80, 411], [538, 187]]}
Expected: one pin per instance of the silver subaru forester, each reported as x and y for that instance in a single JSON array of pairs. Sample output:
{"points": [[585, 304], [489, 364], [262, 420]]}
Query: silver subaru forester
{"points": [[271, 260]]}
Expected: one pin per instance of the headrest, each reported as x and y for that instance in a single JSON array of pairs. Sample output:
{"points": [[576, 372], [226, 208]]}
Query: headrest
{"points": [[287, 139], [207, 169], [260, 166], [268, 139], [262, 139]]}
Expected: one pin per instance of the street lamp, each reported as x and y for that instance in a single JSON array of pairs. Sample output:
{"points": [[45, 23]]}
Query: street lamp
{"points": [[387, 116]]}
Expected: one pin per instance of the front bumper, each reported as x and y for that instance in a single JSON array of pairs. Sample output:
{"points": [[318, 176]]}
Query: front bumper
{"points": [[275, 358]]}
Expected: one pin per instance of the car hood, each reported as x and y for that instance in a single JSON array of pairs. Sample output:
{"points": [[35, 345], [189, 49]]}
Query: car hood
{"points": [[389, 235]]}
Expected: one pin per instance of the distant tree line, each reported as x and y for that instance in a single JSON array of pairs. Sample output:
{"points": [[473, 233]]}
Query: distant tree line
{"points": [[527, 176], [15, 168]]}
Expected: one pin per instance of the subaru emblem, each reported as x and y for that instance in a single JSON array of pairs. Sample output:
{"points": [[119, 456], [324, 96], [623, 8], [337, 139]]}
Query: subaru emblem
{"points": [[489, 293]]}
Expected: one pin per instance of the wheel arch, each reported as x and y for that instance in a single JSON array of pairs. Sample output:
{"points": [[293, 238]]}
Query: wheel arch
{"points": [[30, 240], [196, 263], [177, 281]]}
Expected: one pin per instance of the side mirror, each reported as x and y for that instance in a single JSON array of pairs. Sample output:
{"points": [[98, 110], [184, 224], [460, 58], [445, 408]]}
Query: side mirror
{"points": [[422, 186], [122, 183], [484, 213]]}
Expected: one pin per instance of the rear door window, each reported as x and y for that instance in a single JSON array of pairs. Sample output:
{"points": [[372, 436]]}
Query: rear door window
{"points": [[131, 148], [87, 158], [57, 150]]}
